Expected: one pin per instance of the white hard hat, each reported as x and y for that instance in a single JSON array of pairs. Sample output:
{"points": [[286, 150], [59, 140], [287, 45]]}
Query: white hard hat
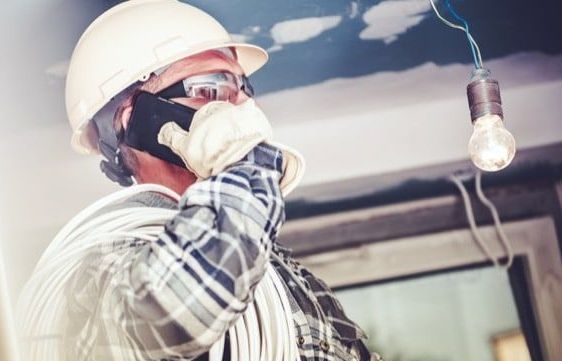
{"points": [[130, 41]]}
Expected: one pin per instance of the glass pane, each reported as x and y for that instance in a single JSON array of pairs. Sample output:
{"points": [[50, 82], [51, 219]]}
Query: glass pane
{"points": [[455, 316]]}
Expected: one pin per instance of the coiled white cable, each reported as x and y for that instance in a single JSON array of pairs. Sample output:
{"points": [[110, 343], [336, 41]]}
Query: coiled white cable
{"points": [[42, 302], [290, 336], [264, 332]]}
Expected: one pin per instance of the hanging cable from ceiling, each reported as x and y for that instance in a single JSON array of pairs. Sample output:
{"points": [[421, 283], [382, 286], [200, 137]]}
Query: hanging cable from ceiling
{"points": [[477, 56], [477, 64], [504, 240]]}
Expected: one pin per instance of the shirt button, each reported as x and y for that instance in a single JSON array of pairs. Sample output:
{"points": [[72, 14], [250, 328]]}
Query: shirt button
{"points": [[324, 345], [300, 340]]}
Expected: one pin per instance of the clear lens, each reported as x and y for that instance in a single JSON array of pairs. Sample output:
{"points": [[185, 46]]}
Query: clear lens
{"points": [[216, 86]]}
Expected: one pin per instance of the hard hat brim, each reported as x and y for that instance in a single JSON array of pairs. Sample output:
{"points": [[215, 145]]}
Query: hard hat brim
{"points": [[250, 57]]}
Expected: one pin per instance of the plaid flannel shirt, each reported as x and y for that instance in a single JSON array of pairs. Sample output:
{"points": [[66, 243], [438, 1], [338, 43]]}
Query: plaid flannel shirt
{"points": [[173, 298]]}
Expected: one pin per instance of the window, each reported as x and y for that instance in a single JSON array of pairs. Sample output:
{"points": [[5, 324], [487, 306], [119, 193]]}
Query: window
{"points": [[465, 313], [451, 316]]}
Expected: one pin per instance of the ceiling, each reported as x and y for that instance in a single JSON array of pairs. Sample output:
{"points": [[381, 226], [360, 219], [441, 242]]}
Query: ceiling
{"points": [[312, 41]]}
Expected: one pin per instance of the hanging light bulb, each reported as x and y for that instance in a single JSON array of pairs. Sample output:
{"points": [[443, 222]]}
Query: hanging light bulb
{"points": [[491, 146]]}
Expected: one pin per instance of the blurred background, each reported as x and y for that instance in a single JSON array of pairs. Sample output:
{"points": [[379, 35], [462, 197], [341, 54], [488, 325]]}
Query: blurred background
{"points": [[373, 93]]}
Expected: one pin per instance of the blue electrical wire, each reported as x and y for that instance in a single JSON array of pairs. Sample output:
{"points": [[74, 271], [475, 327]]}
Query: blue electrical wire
{"points": [[465, 23]]}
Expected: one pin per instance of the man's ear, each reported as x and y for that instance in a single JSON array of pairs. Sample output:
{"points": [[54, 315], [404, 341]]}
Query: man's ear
{"points": [[126, 116]]}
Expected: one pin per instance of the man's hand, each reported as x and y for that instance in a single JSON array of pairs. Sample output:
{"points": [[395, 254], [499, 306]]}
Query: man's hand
{"points": [[221, 134]]}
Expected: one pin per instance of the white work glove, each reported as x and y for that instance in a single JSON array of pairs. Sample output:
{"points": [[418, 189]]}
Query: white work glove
{"points": [[221, 134], [293, 168]]}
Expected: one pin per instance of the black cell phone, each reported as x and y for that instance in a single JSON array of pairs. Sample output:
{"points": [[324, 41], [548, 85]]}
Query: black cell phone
{"points": [[150, 113]]}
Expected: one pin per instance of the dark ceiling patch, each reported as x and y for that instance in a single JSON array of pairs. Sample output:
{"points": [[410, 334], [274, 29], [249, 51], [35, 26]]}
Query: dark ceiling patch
{"points": [[501, 27]]}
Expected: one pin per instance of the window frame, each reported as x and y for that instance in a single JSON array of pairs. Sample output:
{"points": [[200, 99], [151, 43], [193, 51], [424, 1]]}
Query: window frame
{"points": [[533, 240]]}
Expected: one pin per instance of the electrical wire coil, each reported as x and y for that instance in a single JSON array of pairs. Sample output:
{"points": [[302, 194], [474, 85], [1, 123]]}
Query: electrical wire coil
{"points": [[263, 332]]}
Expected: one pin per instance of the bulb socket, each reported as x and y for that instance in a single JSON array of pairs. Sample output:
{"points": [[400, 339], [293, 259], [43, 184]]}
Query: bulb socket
{"points": [[483, 95]]}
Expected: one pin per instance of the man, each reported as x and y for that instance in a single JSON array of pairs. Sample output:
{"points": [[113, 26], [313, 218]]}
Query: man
{"points": [[158, 88]]}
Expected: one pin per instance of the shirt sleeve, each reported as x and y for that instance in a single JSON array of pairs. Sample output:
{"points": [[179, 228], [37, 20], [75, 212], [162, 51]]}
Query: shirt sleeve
{"points": [[181, 293]]}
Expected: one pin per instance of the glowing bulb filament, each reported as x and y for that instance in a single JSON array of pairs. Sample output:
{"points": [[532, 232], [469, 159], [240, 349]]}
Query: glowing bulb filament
{"points": [[491, 146]]}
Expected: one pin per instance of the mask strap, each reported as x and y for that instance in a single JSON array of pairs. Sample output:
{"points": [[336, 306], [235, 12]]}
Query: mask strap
{"points": [[109, 139]]}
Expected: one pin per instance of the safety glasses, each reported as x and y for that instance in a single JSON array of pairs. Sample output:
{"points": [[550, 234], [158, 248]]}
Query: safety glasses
{"points": [[224, 86]]}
